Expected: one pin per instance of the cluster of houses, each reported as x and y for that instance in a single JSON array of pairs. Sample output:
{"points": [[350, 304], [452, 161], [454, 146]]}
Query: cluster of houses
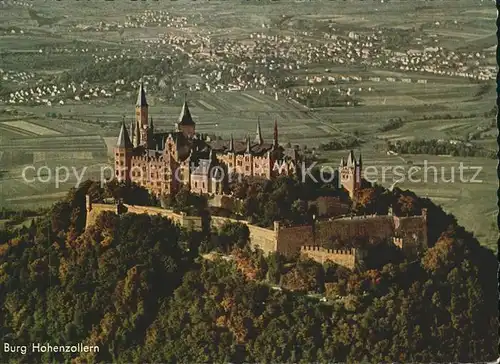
{"points": [[57, 94], [25, 4], [287, 52], [442, 62], [259, 61], [147, 19], [12, 31], [16, 77]]}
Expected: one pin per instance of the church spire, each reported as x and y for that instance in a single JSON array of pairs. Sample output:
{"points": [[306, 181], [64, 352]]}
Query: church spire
{"points": [[258, 136], [141, 97], [141, 110], [231, 144], [185, 117], [248, 149], [123, 138], [185, 122], [132, 131], [351, 159]]}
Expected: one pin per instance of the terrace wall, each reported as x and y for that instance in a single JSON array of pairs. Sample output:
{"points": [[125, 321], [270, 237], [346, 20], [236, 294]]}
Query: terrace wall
{"points": [[188, 222], [290, 239], [330, 206], [346, 229], [262, 238], [346, 258], [410, 232]]}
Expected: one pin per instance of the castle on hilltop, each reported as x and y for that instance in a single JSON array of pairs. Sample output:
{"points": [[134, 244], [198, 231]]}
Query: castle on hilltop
{"points": [[162, 162]]}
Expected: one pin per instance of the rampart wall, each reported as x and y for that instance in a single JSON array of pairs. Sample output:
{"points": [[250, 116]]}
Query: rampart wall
{"points": [[188, 222], [290, 239], [408, 233], [262, 238], [347, 258]]}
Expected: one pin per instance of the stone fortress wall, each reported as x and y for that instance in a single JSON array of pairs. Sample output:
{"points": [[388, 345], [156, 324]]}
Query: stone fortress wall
{"points": [[348, 258], [188, 222], [307, 240]]}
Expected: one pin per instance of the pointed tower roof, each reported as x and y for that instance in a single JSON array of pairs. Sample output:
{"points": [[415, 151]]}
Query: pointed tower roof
{"points": [[342, 162], [185, 116], [141, 97], [275, 136], [137, 134], [123, 138], [258, 134], [231, 144], [359, 159], [248, 149], [351, 159], [132, 131]]}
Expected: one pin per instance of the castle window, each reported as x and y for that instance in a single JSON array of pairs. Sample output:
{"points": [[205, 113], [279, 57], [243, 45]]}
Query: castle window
{"points": [[247, 168]]}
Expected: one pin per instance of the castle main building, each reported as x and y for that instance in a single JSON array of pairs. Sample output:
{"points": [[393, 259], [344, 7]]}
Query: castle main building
{"points": [[162, 162]]}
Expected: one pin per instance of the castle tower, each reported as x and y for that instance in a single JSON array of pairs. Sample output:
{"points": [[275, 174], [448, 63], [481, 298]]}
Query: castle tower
{"points": [[185, 123], [123, 155], [141, 117], [132, 132], [248, 159], [137, 135], [350, 174], [229, 158], [150, 133], [258, 134]]}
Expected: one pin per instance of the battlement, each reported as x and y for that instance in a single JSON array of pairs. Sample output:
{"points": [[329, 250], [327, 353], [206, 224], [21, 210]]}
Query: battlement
{"points": [[307, 248], [348, 258], [143, 159]]}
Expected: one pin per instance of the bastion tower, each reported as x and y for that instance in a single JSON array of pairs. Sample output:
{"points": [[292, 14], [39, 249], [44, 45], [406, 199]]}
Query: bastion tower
{"points": [[350, 173]]}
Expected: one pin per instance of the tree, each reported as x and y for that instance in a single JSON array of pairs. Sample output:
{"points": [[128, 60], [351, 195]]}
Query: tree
{"points": [[407, 205], [275, 264]]}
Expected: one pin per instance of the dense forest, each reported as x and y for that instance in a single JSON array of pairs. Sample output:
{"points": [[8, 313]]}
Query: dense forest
{"points": [[137, 286]]}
